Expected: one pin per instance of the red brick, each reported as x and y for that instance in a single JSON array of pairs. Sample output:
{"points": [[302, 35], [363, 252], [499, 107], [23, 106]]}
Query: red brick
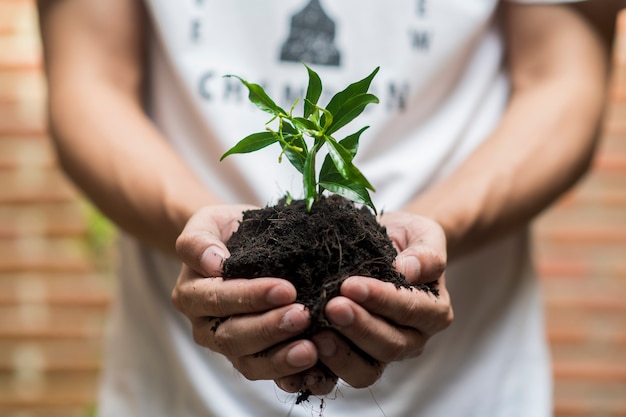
{"points": [[610, 162], [591, 401], [620, 339], [98, 301], [609, 303], [46, 334], [553, 267], [582, 408], [20, 85], [61, 280], [37, 254], [572, 409], [570, 336], [596, 196], [31, 186], [16, 17], [54, 289], [52, 392], [599, 234], [53, 220], [25, 117], [81, 410], [38, 321], [53, 356], [21, 50], [26, 153]]}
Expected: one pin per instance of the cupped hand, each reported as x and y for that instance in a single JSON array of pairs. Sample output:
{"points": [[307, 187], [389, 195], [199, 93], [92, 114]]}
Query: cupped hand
{"points": [[253, 322], [388, 323]]}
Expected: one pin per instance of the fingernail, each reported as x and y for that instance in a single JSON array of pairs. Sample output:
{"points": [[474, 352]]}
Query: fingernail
{"points": [[293, 320], [280, 295], [299, 356], [343, 318], [410, 266], [358, 291], [326, 346], [319, 379], [290, 383], [212, 259]]}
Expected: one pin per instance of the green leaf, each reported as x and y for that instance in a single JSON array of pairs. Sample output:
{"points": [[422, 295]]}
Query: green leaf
{"points": [[354, 89], [304, 124], [335, 183], [296, 158], [292, 137], [351, 109], [252, 143], [343, 162], [315, 115], [259, 97], [351, 143], [313, 92], [287, 128]]}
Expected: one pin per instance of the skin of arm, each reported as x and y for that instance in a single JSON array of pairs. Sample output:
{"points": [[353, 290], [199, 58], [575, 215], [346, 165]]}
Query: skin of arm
{"points": [[602, 15], [545, 140], [94, 58]]}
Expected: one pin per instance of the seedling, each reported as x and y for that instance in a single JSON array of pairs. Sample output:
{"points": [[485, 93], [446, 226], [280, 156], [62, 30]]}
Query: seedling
{"points": [[302, 138]]}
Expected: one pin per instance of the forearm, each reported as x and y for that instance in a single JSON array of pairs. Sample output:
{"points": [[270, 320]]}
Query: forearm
{"points": [[541, 147], [122, 163], [95, 67]]}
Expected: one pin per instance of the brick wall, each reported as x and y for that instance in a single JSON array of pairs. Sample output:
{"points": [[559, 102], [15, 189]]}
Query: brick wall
{"points": [[54, 294]]}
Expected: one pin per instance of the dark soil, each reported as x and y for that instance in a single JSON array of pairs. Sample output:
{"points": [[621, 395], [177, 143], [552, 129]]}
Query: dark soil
{"points": [[315, 250]]}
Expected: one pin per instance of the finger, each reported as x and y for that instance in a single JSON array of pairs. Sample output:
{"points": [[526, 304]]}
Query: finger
{"points": [[216, 297], [318, 380], [340, 358], [421, 244], [250, 334], [313, 381], [420, 264], [201, 246], [290, 383], [411, 308], [279, 362], [382, 340]]}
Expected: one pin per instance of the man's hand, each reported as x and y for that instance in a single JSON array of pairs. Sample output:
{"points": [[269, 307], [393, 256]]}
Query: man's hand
{"points": [[389, 323], [251, 322]]}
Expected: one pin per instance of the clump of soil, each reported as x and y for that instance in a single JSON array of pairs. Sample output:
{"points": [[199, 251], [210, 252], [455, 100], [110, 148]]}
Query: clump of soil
{"points": [[315, 250]]}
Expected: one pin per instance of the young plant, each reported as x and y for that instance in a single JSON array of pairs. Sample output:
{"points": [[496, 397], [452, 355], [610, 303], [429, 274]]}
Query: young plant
{"points": [[302, 138]]}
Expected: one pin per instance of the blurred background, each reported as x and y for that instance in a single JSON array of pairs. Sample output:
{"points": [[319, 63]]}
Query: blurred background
{"points": [[56, 257]]}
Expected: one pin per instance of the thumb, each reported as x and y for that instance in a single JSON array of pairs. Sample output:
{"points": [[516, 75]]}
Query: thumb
{"points": [[424, 257], [420, 264], [200, 247]]}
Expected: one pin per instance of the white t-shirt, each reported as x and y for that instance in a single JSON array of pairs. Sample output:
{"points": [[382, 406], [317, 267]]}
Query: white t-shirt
{"points": [[442, 89]]}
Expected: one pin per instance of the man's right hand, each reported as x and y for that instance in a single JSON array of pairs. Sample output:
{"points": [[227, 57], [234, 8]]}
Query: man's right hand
{"points": [[251, 322]]}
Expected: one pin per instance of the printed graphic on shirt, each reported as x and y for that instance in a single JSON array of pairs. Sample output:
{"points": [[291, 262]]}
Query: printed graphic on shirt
{"points": [[313, 32], [311, 37], [420, 38]]}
